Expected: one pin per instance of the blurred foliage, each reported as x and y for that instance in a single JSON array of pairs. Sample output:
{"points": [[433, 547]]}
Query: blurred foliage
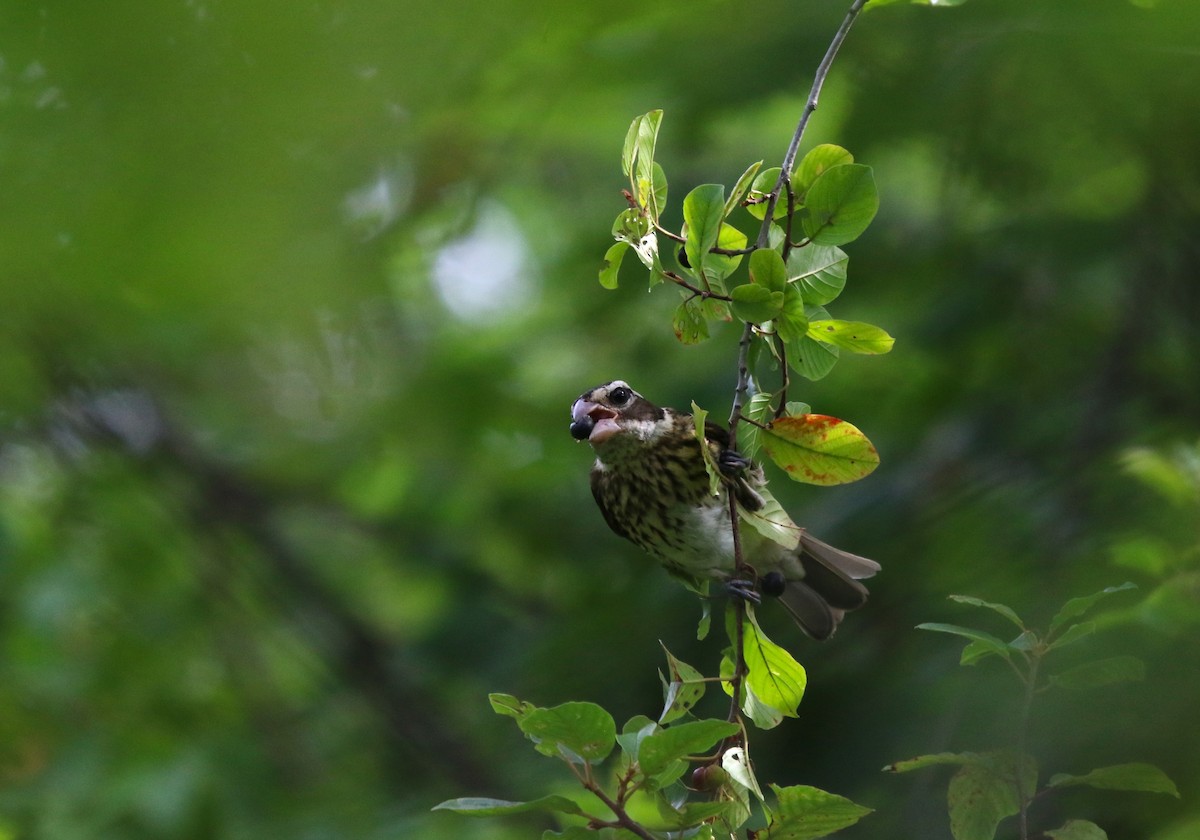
{"points": [[296, 297]]}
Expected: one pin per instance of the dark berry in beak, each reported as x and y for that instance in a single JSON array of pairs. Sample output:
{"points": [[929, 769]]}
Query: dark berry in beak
{"points": [[581, 429]]}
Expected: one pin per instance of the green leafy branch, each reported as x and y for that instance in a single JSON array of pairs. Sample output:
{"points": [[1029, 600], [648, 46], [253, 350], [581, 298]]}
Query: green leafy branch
{"points": [[795, 266], [677, 773], [990, 787]]}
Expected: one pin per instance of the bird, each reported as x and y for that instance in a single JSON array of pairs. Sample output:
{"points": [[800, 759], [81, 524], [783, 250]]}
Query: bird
{"points": [[652, 486]]}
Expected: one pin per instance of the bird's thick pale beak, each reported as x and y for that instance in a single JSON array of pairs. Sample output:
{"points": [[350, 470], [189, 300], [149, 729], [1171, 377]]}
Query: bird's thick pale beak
{"points": [[592, 422]]}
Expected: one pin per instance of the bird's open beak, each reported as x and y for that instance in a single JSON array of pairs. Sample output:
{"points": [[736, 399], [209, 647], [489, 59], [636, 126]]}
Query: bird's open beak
{"points": [[592, 422]]}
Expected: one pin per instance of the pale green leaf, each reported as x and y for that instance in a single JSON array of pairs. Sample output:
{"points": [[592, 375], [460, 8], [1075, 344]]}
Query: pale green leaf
{"points": [[983, 793], [1136, 776], [768, 271], [774, 675], [689, 323], [755, 303], [840, 205], [684, 690], [681, 740], [1078, 606], [1101, 672], [739, 188], [854, 336], [920, 762], [812, 165], [1077, 830], [1007, 612], [612, 264], [806, 813], [983, 641], [819, 272], [478, 806], [585, 730], [702, 209], [760, 193], [772, 521]]}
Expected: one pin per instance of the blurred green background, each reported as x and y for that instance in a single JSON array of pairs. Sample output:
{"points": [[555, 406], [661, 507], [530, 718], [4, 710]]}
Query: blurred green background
{"points": [[294, 299]]}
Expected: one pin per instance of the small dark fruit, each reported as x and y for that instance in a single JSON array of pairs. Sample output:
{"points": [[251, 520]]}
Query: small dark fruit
{"points": [[709, 777], [582, 429], [773, 584]]}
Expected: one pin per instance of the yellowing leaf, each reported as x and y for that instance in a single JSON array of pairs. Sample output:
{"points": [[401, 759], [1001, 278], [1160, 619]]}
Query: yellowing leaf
{"points": [[817, 449], [854, 336]]}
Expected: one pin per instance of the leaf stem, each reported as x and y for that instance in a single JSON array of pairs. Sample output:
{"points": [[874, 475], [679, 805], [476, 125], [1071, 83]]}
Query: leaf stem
{"points": [[789, 159]]}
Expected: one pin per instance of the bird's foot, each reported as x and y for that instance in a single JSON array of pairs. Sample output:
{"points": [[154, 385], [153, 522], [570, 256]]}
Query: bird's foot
{"points": [[743, 589], [733, 464]]}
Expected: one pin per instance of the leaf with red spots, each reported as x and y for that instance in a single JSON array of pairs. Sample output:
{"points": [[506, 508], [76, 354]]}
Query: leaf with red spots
{"points": [[816, 449]]}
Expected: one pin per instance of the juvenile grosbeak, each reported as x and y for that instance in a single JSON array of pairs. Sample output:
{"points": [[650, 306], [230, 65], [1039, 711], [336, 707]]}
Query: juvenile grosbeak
{"points": [[651, 484]]}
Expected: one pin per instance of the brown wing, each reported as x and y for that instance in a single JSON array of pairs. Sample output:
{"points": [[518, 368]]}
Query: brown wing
{"points": [[600, 486]]}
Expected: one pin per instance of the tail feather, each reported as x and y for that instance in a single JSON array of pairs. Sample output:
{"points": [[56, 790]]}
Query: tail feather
{"points": [[812, 612], [828, 588]]}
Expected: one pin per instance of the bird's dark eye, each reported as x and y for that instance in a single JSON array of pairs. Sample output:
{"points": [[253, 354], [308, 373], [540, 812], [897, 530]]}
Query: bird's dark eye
{"points": [[619, 396]]}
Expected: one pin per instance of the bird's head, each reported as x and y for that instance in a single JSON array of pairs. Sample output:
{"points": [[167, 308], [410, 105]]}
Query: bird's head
{"points": [[608, 410]]}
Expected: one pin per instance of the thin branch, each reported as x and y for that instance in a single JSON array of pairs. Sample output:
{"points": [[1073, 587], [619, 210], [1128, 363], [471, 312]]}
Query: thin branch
{"points": [[695, 290], [739, 393], [789, 159], [623, 820]]}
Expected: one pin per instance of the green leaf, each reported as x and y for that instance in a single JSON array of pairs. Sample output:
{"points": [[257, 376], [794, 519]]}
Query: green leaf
{"points": [[759, 410], [629, 149], [755, 303], [1078, 830], [681, 740], [719, 266], [1074, 633], [772, 521], [920, 762], [792, 322], [819, 272], [479, 806], [806, 813], [683, 691], [774, 676], [689, 323], [811, 359], [975, 651], [1174, 476], [982, 641], [572, 730], [635, 730], [817, 449], [1007, 612], [854, 336], [1101, 672], [760, 194], [984, 792], [1078, 606], [1134, 776], [643, 163], [612, 264], [840, 205], [814, 164], [506, 704], [739, 188], [702, 210], [699, 420], [658, 191], [768, 271]]}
